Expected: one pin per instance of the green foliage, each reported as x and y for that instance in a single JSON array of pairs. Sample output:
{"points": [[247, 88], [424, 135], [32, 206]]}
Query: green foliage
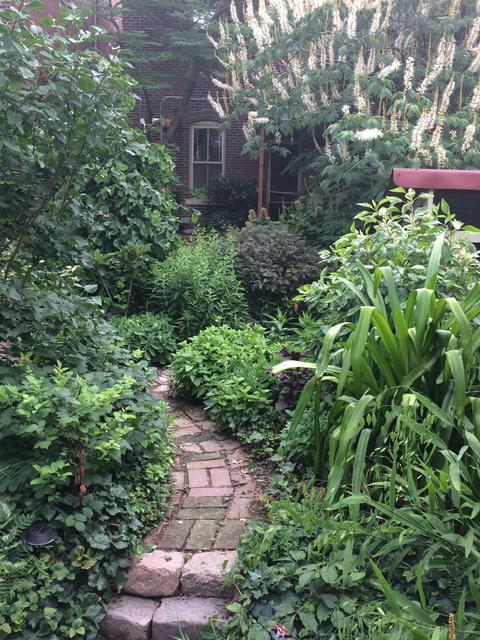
{"points": [[229, 369], [91, 455], [83, 447], [396, 232], [69, 197], [320, 228], [51, 320], [312, 569], [425, 344], [235, 196], [55, 92], [151, 333], [134, 221], [390, 417], [272, 263], [196, 286]]}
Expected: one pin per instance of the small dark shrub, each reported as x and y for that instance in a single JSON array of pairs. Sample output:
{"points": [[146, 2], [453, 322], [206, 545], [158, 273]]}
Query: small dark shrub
{"points": [[151, 333], [196, 286], [272, 262]]}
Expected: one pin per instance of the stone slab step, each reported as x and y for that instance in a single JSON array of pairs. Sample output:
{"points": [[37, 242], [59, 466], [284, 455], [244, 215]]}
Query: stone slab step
{"points": [[185, 615], [155, 574], [205, 573], [128, 618]]}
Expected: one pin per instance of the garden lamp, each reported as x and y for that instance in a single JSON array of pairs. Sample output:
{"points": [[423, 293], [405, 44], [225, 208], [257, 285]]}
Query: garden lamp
{"points": [[39, 534]]}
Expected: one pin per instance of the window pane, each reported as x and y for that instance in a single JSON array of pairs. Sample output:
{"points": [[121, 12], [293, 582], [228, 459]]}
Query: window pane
{"points": [[215, 145], [200, 172], [200, 141], [214, 171]]}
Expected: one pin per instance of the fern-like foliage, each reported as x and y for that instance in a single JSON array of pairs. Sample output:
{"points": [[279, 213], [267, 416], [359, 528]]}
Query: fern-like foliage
{"points": [[15, 559]]}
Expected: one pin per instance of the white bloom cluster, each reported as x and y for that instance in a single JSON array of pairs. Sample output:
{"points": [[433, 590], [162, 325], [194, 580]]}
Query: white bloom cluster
{"points": [[475, 101], [346, 109], [468, 137], [442, 159], [367, 135], [409, 74], [443, 60], [389, 69], [343, 151], [215, 104]]}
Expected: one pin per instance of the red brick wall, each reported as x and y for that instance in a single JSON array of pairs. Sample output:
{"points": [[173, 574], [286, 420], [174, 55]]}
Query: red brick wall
{"points": [[50, 8], [198, 109]]}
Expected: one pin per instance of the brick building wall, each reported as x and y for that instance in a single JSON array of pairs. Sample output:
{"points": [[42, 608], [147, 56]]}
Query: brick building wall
{"points": [[50, 8], [164, 102]]}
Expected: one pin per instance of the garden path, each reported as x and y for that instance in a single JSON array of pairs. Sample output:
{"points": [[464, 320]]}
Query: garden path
{"points": [[180, 586]]}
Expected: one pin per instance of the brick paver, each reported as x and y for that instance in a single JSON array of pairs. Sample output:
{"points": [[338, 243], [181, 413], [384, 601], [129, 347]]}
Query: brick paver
{"points": [[198, 478], [229, 535], [202, 535], [211, 491], [206, 464], [220, 478]]}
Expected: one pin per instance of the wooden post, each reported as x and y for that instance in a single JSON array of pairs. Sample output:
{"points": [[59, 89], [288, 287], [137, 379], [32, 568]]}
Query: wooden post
{"points": [[261, 171]]}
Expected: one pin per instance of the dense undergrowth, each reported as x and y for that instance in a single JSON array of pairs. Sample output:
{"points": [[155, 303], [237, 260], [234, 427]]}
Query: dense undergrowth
{"points": [[83, 446], [378, 534]]}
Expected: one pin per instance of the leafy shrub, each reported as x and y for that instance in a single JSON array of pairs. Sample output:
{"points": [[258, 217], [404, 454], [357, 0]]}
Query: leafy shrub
{"points": [[214, 352], [243, 403], [319, 228], [134, 222], [151, 333], [229, 369], [90, 455], [398, 233], [84, 448], [235, 196], [272, 263], [51, 154], [196, 286]]}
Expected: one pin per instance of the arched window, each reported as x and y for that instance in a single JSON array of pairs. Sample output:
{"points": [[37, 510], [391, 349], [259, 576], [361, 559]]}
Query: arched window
{"points": [[207, 154]]}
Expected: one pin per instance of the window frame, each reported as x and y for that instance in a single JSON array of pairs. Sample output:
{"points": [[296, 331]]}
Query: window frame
{"points": [[204, 125]]}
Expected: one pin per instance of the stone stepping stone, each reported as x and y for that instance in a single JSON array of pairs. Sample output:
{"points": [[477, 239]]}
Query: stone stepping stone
{"points": [[204, 574], [176, 533], [229, 535], [155, 574], [128, 618], [185, 615], [202, 535]]}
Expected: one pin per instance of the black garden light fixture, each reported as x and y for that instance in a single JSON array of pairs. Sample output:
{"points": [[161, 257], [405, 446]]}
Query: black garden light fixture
{"points": [[279, 632], [40, 534]]}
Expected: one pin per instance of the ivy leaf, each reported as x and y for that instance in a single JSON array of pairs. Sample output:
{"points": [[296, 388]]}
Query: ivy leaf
{"points": [[308, 620], [99, 541]]}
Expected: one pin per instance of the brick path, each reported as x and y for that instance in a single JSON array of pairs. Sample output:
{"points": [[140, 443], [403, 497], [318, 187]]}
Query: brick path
{"points": [[180, 585]]}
